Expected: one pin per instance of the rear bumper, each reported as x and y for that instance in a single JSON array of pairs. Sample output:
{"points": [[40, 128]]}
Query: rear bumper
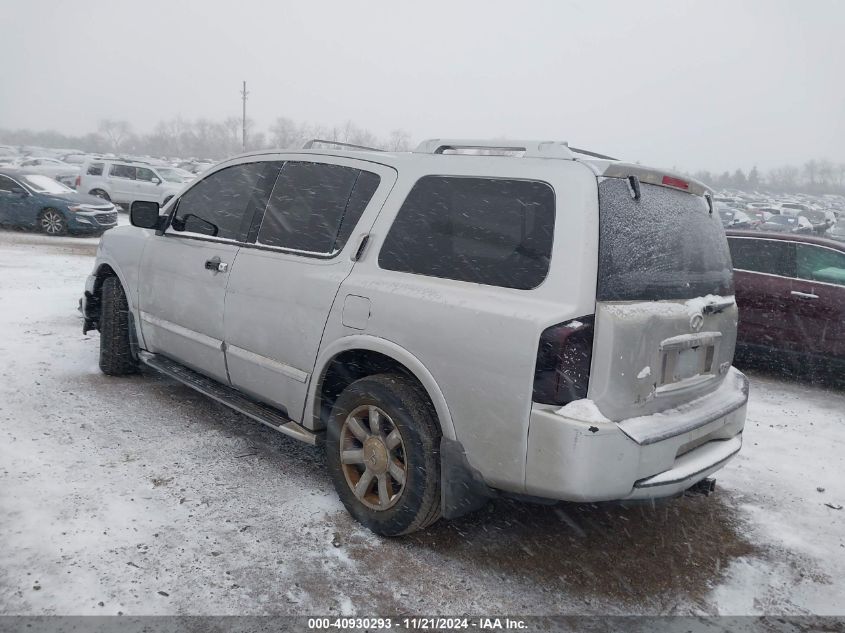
{"points": [[652, 456]]}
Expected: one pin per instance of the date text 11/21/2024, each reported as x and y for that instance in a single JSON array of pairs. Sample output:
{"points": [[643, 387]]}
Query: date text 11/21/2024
{"points": [[418, 623]]}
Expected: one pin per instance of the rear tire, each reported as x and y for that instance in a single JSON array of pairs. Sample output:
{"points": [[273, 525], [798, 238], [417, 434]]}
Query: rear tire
{"points": [[100, 194], [116, 358], [386, 472]]}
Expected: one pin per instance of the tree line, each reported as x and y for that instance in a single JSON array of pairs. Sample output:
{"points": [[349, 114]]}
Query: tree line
{"points": [[203, 138], [817, 176]]}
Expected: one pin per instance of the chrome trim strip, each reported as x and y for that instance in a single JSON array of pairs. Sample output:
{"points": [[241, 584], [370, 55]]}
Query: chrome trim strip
{"points": [[182, 331], [267, 363]]}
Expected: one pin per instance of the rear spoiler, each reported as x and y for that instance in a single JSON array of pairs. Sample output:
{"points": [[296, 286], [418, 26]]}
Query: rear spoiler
{"points": [[659, 177]]}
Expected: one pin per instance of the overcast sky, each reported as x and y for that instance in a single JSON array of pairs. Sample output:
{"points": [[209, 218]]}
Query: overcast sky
{"points": [[711, 84]]}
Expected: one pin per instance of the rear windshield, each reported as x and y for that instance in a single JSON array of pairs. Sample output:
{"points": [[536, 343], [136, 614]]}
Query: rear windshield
{"points": [[666, 245]]}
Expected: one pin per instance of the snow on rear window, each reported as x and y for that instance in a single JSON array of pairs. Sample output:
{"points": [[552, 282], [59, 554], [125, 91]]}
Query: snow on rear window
{"points": [[666, 245]]}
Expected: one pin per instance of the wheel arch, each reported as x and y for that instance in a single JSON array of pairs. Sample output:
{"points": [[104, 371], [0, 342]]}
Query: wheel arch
{"points": [[104, 188], [367, 355], [105, 269]]}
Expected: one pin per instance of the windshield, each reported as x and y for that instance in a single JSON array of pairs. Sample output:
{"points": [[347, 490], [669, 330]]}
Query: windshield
{"points": [[666, 245], [44, 184]]}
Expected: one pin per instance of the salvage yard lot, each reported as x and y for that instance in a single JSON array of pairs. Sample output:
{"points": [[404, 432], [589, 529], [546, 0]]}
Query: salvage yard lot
{"points": [[139, 496]]}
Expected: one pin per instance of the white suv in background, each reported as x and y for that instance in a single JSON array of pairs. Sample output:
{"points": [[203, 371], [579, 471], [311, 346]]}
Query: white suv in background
{"points": [[558, 325], [124, 182]]}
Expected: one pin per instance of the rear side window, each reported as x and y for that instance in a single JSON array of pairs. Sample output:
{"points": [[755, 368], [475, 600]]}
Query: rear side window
{"points": [[123, 171], [95, 169], [489, 231], [315, 206], [772, 257], [664, 246], [223, 204], [142, 173], [817, 263], [7, 184]]}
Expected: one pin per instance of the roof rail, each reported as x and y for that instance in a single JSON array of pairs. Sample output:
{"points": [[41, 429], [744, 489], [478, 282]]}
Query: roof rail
{"points": [[530, 149], [310, 144]]}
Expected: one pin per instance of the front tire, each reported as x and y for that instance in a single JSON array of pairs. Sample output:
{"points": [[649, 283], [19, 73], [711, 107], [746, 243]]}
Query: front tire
{"points": [[383, 454], [116, 358], [52, 222]]}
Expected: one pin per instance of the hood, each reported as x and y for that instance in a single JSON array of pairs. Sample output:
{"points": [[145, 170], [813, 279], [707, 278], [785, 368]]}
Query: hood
{"points": [[80, 198]]}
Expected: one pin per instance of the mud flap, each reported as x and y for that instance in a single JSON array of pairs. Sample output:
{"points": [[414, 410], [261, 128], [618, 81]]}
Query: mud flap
{"points": [[89, 306], [462, 488]]}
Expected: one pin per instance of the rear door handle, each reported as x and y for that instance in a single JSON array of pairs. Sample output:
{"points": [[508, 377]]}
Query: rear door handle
{"points": [[216, 265], [803, 295]]}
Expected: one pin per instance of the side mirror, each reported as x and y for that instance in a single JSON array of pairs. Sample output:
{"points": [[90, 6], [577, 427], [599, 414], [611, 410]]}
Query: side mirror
{"points": [[144, 215], [19, 191], [155, 181]]}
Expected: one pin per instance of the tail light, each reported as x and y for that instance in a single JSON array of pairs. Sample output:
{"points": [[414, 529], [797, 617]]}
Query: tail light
{"points": [[77, 182], [562, 373]]}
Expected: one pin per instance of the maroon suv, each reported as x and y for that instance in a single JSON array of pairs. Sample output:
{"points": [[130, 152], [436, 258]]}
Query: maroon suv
{"points": [[790, 290]]}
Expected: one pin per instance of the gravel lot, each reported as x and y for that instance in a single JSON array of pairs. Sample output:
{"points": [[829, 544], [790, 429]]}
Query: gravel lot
{"points": [[138, 496]]}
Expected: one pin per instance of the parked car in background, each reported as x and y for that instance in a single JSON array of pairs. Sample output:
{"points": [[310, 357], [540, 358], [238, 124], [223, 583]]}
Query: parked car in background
{"points": [[52, 167], [732, 217], [793, 208], [78, 159], [787, 224], [731, 201], [124, 182], [818, 219], [837, 231], [759, 215], [35, 201], [790, 290]]}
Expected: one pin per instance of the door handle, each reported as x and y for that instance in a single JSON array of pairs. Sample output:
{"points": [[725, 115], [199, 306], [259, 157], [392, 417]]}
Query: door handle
{"points": [[216, 265], [803, 295]]}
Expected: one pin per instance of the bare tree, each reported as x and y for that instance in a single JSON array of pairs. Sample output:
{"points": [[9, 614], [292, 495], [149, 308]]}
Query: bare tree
{"points": [[115, 131], [399, 141], [811, 171]]}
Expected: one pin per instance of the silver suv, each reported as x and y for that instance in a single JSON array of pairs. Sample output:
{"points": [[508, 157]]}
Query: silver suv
{"points": [[544, 322], [124, 182]]}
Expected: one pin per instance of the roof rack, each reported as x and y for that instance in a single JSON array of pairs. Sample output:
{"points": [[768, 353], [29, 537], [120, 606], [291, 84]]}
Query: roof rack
{"points": [[530, 149], [310, 144]]}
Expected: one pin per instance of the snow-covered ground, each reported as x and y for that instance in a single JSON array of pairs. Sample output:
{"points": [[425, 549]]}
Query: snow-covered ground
{"points": [[137, 495]]}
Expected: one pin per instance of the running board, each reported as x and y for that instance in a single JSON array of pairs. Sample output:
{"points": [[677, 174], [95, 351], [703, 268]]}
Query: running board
{"points": [[232, 398]]}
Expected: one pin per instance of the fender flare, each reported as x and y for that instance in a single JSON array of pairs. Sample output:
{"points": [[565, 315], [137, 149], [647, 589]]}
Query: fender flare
{"points": [[131, 293], [390, 349]]}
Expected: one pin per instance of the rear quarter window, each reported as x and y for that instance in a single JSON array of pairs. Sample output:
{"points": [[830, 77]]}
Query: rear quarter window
{"points": [[95, 169], [497, 232]]}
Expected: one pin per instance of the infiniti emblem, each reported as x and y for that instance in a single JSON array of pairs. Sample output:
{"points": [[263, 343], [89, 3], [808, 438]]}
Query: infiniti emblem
{"points": [[696, 321]]}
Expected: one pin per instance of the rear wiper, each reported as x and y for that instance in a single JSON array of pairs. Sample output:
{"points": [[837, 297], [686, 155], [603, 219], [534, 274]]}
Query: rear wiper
{"points": [[715, 307]]}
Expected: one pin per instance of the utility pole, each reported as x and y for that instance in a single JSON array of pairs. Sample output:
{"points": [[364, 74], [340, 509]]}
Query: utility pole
{"points": [[244, 93]]}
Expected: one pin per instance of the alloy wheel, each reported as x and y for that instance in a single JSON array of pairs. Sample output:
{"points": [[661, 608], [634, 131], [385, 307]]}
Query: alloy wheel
{"points": [[52, 222], [372, 454]]}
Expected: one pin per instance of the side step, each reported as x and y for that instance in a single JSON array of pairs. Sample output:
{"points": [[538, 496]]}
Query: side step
{"points": [[231, 398]]}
